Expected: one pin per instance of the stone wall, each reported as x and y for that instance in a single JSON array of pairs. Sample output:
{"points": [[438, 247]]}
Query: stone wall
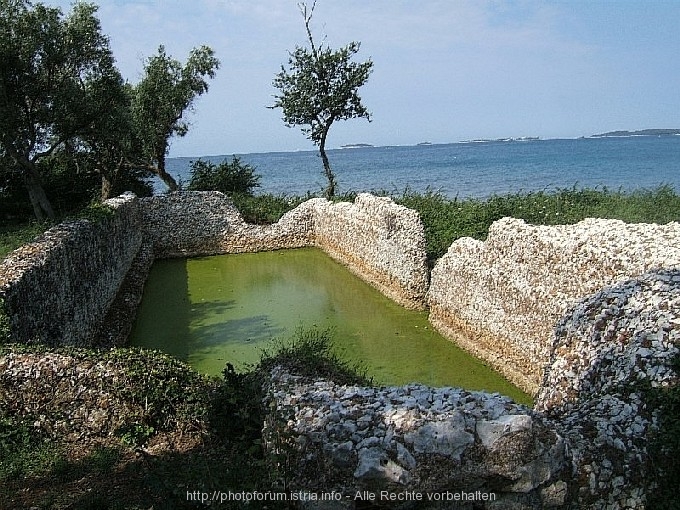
{"points": [[585, 444], [382, 242], [186, 224], [607, 353], [94, 273], [501, 298], [396, 441], [57, 289]]}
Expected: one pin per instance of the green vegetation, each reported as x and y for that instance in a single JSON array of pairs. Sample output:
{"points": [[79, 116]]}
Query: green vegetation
{"points": [[321, 86], [231, 178], [446, 220], [15, 235], [265, 209], [71, 129], [185, 432]]}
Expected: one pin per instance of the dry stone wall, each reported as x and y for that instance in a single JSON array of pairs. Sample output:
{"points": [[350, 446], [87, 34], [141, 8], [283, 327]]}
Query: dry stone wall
{"points": [[586, 443], [607, 350], [414, 440], [57, 289], [381, 241], [94, 274], [186, 224], [501, 298]]}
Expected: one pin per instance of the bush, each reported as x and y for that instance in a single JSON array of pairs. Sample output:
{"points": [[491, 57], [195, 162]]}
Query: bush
{"points": [[229, 178], [265, 209]]}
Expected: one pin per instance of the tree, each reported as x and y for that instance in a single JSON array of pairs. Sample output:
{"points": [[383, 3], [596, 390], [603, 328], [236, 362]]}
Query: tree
{"points": [[319, 87], [160, 100], [113, 149], [57, 76]]}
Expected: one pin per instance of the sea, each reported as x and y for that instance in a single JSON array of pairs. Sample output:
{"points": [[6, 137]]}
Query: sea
{"points": [[476, 169]]}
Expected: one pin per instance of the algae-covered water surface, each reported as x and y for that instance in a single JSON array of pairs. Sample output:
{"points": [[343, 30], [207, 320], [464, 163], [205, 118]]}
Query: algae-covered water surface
{"points": [[212, 310]]}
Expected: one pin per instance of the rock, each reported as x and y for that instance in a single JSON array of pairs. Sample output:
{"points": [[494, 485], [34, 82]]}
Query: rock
{"points": [[433, 446], [500, 298], [447, 437], [490, 431], [375, 465]]}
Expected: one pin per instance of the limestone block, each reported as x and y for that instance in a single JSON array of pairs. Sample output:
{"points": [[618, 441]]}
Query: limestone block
{"points": [[382, 242], [411, 438]]}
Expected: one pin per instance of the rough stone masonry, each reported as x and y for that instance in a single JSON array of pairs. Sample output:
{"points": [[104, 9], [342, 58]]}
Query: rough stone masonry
{"points": [[585, 444]]}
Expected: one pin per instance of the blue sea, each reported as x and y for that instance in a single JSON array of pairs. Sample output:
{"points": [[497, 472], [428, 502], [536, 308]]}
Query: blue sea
{"points": [[471, 169]]}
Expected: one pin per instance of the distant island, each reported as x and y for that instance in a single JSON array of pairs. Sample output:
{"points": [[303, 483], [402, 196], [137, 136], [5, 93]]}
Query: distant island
{"points": [[641, 132], [486, 140], [355, 145]]}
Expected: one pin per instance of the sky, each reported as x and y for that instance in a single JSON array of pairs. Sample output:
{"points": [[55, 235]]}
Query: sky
{"points": [[443, 70]]}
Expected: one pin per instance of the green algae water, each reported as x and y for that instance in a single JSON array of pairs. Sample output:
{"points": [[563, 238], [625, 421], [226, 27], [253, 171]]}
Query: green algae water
{"points": [[212, 310]]}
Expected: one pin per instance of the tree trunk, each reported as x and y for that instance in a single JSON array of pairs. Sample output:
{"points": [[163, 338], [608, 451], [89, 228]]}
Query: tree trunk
{"points": [[41, 204], [168, 179], [107, 187], [329, 192]]}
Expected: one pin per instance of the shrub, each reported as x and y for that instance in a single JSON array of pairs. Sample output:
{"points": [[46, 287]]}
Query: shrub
{"points": [[265, 209], [230, 178]]}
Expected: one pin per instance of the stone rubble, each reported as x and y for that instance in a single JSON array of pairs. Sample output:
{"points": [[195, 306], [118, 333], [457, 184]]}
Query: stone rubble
{"points": [[606, 350], [349, 439], [95, 272], [584, 445], [57, 289]]}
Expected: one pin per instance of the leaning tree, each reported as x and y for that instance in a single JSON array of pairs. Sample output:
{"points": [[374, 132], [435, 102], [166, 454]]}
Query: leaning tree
{"points": [[319, 86], [161, 99], [57, 76]]}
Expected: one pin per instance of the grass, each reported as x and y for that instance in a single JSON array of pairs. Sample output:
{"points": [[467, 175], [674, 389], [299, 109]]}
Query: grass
{"points": [[14, 235], [446, 220], [213, 427], [194, 434], [265, 209]]}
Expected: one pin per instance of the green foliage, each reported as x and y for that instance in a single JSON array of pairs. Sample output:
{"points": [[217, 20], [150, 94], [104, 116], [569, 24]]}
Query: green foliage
{"points": [[22, 451], [311, 353], [230, 178], [446, 220], [265, 209], [161, 99], [170, 392], [70, 128], [319, 87], [226, 414], [14, 236], [96, 212], [58, 76]]}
